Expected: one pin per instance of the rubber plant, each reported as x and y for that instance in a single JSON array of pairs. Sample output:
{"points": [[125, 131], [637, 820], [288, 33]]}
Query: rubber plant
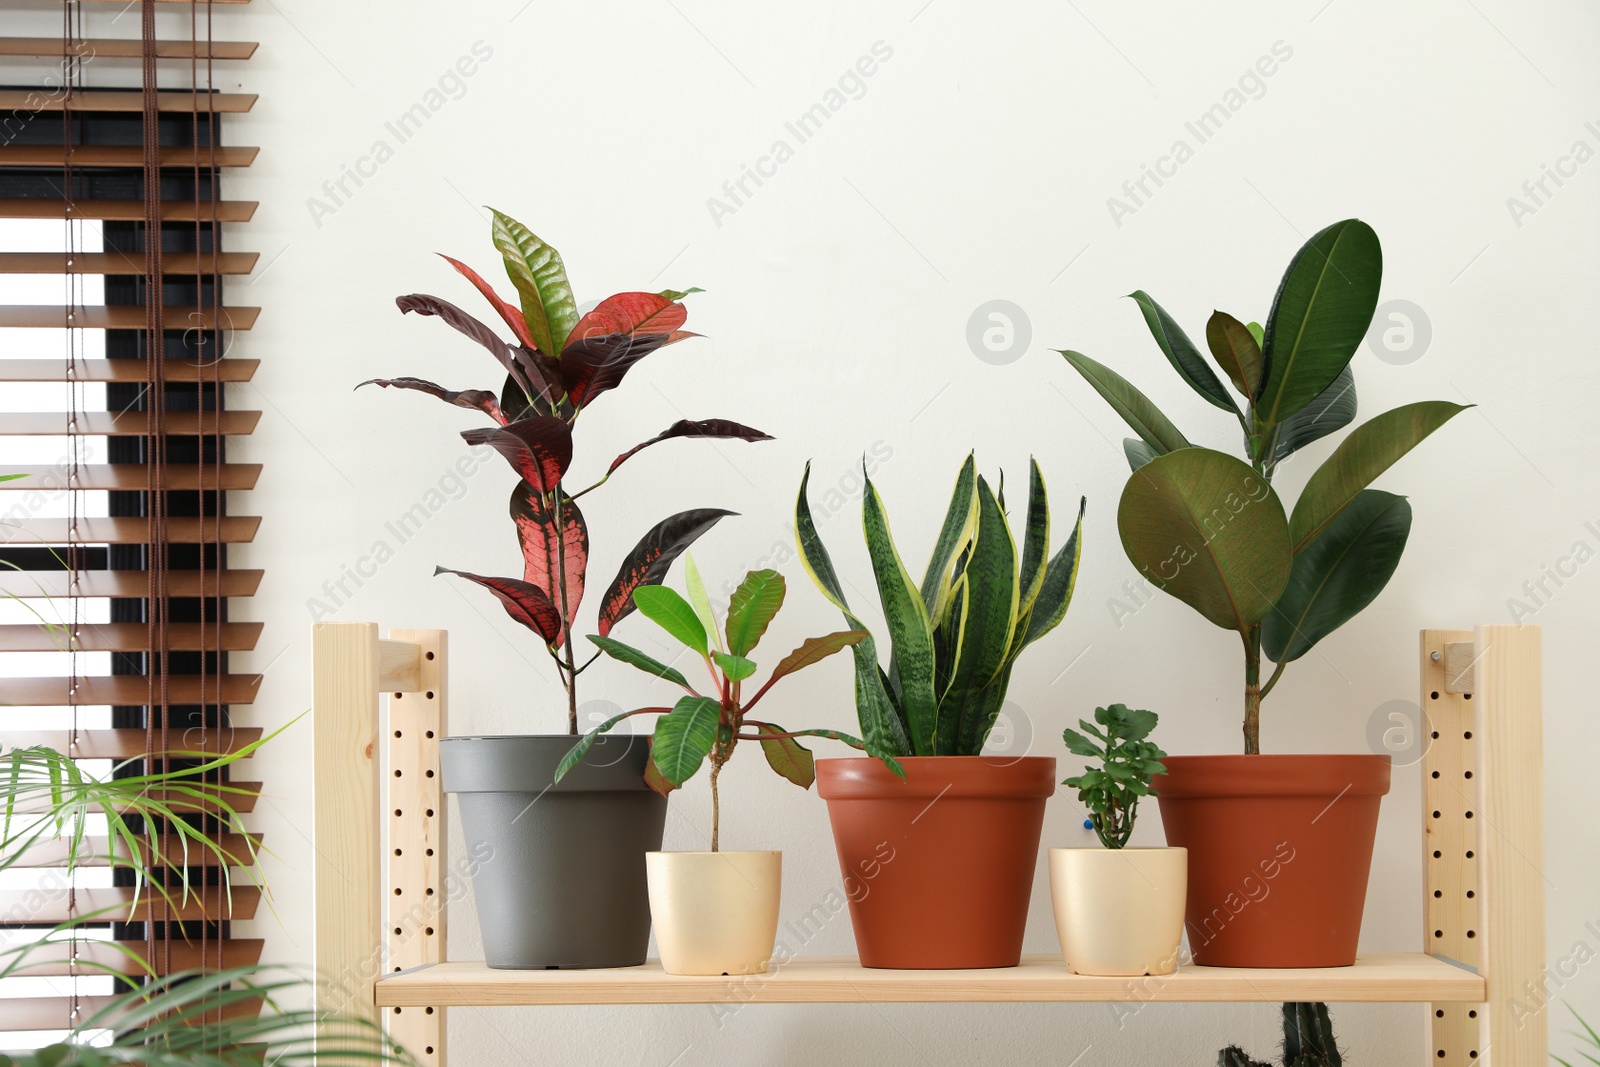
{"points": [[1118, 741], [557, 364], [1209, 528], [954, 638], [709, 726], [1308, 1041]]}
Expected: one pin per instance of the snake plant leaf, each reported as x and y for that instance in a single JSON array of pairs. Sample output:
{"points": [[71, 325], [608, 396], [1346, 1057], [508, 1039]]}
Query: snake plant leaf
{"points": [[525, 602], [575, 754], [1372, 448], [786, 755], [883, 730], [684, 736], [472, 399], [960, 519], [751, 608], [1338, 574], [1204, 527], [635, 658], [1319, 317], [736, 668], [1035, 540], [1153, 428], [1182, 354], [991, 617], [910, 629], [536, 270], [651, 558], [1137, 452], [1236, 351], [696, 587], [1333, 409], [1055, 594], [666, 608]]}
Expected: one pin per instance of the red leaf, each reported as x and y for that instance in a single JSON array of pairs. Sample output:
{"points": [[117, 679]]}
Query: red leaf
{"points": [[536, 530], [524, 602], [475, 399], [539, 449], [596, 364], [510, 313], [630, 313], [650, 559], [462, 322], [689, 428]]}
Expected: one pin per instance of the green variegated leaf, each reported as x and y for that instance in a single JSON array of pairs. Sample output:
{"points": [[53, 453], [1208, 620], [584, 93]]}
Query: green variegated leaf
{"points": [[751, 608], [1153, 428], [1182, 354], [684, 737], [991, 616], [1035, 541], [960, 519], [536, 270], [910, 629], [1060, 578], [698, 599]]}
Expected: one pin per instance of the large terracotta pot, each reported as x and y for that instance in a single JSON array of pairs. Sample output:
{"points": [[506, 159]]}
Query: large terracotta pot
{"points": [[938, 867], [1279, 852]]}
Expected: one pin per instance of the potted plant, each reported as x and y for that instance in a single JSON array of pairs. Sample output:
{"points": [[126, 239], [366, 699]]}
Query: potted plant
{"points": [[1308, 1041], [566, 887], [1279, 845], [963, 828], [716, 912], [1119, 910]]}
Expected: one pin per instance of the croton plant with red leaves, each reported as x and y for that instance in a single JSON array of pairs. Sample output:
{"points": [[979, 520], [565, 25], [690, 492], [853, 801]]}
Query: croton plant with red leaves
{"points": [[558, 364]]}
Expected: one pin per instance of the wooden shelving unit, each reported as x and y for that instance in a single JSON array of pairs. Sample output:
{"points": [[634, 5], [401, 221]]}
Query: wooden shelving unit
{"points": [[382, 886]]}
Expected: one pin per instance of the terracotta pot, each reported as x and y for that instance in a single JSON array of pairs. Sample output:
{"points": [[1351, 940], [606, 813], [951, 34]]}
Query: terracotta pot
{"points": [[715, 912], [1118, 911], [1279, 852], [938, 867]]}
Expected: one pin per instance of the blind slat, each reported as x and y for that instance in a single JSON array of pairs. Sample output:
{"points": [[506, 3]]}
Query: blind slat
{"points": [[132, 637], [38, 207], [33, 585], [131, 743], [124, 48], [124, 689], [186, 263], [110, 100], [233, 423], [132, 958], [117, 904], [28, 155], [123, 317], [124, 370]]}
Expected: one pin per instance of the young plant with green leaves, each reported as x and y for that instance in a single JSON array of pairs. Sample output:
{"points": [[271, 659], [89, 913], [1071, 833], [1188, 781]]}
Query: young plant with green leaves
{"points": [[558, 363], [1209, 528], [710, 725], [1591, 1042], [955, 637], [1118, 740]]}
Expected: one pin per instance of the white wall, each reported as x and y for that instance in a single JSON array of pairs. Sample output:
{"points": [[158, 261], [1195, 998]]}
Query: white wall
{"points": [[977, 165]]}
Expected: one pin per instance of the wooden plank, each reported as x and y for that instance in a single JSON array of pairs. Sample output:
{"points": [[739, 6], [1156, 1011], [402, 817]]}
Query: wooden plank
{"points": [[122, 317], [105, 155], [1376, 977], [38, 207], [122, 744], [133, 476], [1450, 845], [238, 850], [34, 585], [114, 100], [348, 916], [119, 904], [126, 370], [131, 637], [1459, 662], [399, 666], [133, 957], [125, 423], [125, 689], [124, 48], [187, 530], [414, 864], [172, 263], [1509, 697]]}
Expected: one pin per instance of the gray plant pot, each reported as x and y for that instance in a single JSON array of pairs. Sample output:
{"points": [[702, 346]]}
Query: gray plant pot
{"points": [[559, 870]]}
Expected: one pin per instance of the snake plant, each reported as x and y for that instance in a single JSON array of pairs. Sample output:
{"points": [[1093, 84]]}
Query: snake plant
{"points": [[955, 637]]}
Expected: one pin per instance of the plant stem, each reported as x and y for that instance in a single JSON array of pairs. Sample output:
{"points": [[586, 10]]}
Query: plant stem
{"points": [[1277, 672], [1252, 691], [716, 813], [570, 681]]}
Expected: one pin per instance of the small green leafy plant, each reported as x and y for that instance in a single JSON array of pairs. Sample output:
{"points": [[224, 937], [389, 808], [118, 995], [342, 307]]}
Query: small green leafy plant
{"points": [[702, 726], [954, 638], [1591, 1051], [1127, 760]]}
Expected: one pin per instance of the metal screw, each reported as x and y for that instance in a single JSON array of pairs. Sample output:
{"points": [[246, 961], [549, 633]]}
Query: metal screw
{"points": [[1435, 656]]}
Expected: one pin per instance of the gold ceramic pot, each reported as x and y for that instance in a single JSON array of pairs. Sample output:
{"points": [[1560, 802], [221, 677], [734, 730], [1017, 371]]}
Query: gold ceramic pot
{"points": [[1119, 911], [714, 912]]}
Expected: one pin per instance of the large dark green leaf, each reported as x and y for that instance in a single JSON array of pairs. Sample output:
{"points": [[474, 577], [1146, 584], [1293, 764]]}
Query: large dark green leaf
{"points": [[1137, 452], [1372, 448], [1236, 351], [1153, 428], [1333, 409], [1181, 353], [634, 658], [684, 736], [1035, 540], [751, 608], [1204, 527], [910, 629], [954, 534], [1338, 574], [1319, 317], [990, 617], [536, 270], [667, 609]]}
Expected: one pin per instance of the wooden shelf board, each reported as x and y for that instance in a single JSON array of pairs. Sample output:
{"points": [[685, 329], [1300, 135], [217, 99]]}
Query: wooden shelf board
{"points": [[1376, 977]]}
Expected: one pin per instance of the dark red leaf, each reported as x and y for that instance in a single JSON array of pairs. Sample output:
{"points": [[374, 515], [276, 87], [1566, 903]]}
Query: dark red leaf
{"points": [[536, 530], [510, 313], [475, 399], [595, 364], [650, 559], [549, 389], [630, 313], [538, 449], [692, 428], [471, 327], [524, 602]]}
